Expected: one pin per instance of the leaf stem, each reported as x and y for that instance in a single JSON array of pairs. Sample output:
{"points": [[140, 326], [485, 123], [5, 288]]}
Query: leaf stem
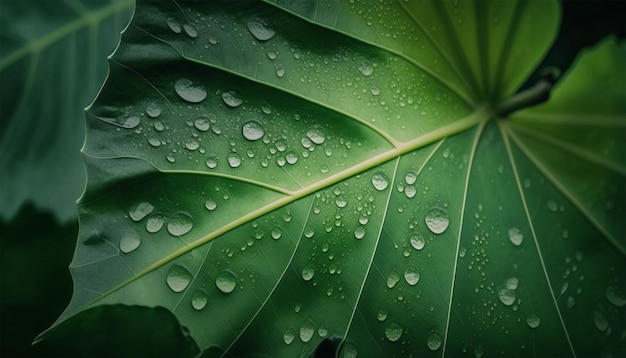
{"points": [[532, 96]]}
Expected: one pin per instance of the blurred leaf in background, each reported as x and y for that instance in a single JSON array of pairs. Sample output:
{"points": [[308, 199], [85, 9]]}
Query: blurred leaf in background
{"points": [[52, 64]]}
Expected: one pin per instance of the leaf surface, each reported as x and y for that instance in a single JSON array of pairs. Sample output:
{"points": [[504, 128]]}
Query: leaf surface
{"points": [[278, 174], [51, 66]]}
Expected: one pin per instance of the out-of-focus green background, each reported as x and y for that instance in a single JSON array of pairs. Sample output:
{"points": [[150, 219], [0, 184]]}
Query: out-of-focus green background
{"points": [[52, 64]]}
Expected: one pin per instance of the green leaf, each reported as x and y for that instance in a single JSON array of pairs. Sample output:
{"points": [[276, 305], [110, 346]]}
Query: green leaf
{"points": [[51, 66], [281, 174]]}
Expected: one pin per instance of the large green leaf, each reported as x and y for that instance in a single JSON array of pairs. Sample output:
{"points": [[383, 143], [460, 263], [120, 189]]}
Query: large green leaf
{"points": [[278, 174], [52, 64]]}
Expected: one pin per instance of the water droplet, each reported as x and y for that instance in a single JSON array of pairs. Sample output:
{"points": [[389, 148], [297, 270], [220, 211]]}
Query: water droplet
{"points": [[190, 30], [349, 350], [154, 223], [410, 178], [393, 332], [380, 181], [190, 92], [291, 157], [515, 236], [253, 130], [316, 135], [533, 320], [411, 275], [129, 242], [289, 335], [307, 330], [366, 68], [507, 296], [512, 283], [179, 224], [174, 25], [359, 232], [600, 321], [226, 281], [341, 202], [199, 299], [479, 351], [277, 233], [437, 220], [131, 122], [153, 110], [280, 72], [192, 145], [434, 341], [178, 278], [234, 160], [553, 206], [210, 204], [202, 124], [616, 297], [259, 29], [417, 241], [155, 142], [410, 191], [232, 99], [211, 163], [140, 211], [308, 272], [382, 315], [374, 91], [393, 279]]}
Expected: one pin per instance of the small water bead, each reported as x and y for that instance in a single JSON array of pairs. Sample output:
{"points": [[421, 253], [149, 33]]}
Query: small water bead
{"points": [[393, 332], [393, 279], [186, 90], [199, 299], [434, 341], [131, 122], [140, 211], [272, 55], [192, 145], [202, 124], [410, 191], [155, 142], [260, 30], [512, 283], [232, 99], [410, 178], [307, 330], [359, 232], [253, 130], [380, 181], [179, 224], [190, 30], [276, 233], [308, 272], [382, 315], [316, 135], [226, 281], [616, 297], [366, 68], [291, 157], [289, 336], [515, 236], [507, 296], [374, 91], [600, 321], [154, 223], [178, 278], [174, 25], [234, 160], [349, 350], [479, 351], [437, 220], [322, 331], [129, 242], [210, 204], [341, 202], [153, 110], [533, 320], [417, 241], [211, 163], [158, 126], [411, 275]]}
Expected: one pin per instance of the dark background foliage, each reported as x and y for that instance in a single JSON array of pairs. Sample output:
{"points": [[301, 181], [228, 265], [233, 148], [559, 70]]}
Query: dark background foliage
{"points": [[35, 249]]}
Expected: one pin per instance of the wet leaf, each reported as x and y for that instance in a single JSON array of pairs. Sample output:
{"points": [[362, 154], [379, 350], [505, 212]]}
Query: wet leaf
{"points": [[280, 175]]}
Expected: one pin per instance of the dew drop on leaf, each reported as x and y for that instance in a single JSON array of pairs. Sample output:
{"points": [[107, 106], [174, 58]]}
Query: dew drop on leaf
{"points": [[190, 30], [199, 299], [226, 281], [174, 25], [479, 351], [211, 163], [507, 296], [308, 272], [307, 330], [253, 130], [437, 220], [192, 145], [276, 233], [349, 350], [410, 191], [616, 297], [411, 275], [380, 181], [153, 110], [359, 232], [600, 321], [382, 315], [131, 122], [316, 135], [202, 124], [179, 224], [178, 278], [289, 336], [232, 99], [234, 160], [129, 242], [417, 241], [515, 236], [154, 223], [260, 30], [366, 68], [410, 178], [433, 341], [190, 92], [393, 279], [140, 211], [210, 204], [393, 332], [533, 320]]}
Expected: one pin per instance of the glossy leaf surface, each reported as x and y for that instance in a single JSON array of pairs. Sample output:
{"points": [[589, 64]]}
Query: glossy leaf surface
{"points": [[278, 174], [52, 64]]}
